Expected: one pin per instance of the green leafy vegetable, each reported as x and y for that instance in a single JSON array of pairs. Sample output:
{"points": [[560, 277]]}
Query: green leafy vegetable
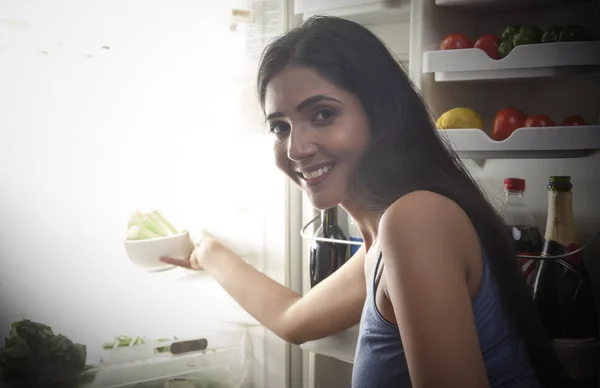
{"points": [[34, 356]]}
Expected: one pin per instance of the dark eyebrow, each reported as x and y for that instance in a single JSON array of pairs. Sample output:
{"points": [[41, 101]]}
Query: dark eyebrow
{"points": [[309, 101]]}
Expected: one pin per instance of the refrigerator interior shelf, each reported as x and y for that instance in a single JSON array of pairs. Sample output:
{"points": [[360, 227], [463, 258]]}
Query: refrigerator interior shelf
{"points": [[380, 12], [496, 5], [526, 61], [225, 367], [323, 239], [526, 143]]}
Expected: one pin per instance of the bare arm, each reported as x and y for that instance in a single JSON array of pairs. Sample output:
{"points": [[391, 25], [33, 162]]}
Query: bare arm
{"points": [[335, 304], [425, 239]]}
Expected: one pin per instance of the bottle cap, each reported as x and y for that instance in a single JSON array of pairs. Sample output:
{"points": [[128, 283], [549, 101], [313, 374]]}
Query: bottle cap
{"points": [[560, 183], [560, 179], [514, 184]]}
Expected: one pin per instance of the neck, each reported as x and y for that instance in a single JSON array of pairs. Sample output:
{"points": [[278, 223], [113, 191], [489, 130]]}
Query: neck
{"points": [[366, 220]]}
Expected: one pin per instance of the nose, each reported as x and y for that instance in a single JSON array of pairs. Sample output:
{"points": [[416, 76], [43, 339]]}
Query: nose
{"points": [[300, 144]]}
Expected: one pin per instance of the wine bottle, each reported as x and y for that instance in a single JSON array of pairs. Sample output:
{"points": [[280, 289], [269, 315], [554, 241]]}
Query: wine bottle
{"points": [[562, 289], [327, 257]]}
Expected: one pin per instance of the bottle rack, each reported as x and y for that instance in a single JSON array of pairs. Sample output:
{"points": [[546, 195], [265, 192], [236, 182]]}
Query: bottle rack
{"points": [[323, 239], [559, 258], [348, 242]]}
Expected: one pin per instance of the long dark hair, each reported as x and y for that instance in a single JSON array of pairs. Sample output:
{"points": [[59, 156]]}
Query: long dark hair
{"points": [[406, 154]]}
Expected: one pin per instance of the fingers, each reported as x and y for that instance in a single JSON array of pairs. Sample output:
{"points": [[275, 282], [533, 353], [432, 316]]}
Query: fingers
{"points": [[178, 262]]}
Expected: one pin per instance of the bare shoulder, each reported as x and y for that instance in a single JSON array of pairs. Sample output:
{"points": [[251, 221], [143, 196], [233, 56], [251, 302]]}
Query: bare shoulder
{"points": [[425, 209], [426, 220], [430, 250]]}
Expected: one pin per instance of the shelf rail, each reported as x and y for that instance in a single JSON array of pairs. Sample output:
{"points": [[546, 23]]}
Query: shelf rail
{"points": [[560, 259]]}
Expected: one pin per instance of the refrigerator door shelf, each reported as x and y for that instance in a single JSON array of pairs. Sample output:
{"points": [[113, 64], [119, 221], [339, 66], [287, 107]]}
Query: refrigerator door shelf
{"points": [[526, 143], [497, 5], [341, 346], [526, 61], [366, 12]]}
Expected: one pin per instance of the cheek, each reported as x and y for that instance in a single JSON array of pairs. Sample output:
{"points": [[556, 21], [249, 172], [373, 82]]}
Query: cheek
{"points": [[280, 153], [354, 136]]}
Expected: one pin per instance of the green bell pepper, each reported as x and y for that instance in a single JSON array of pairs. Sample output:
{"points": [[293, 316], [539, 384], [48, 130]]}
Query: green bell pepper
{"points": [[527, 35], [574, 33], [552, 35]]}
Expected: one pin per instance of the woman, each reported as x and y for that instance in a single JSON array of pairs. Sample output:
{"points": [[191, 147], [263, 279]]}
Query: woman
{"points": [[436, 287]]}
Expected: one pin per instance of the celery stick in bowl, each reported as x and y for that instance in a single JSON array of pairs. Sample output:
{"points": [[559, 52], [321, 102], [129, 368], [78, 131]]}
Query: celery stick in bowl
{"points": [[151, 236]]}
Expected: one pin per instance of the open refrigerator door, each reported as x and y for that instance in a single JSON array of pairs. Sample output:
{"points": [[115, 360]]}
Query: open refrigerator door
{"points": [[129, 106]]}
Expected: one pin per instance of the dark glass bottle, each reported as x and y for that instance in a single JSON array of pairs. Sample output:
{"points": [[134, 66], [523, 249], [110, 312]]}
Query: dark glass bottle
{"points": [[327, 257], [562, 289]]}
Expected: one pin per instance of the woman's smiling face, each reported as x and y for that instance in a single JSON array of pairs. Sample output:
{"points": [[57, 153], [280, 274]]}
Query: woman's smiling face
{"points": [[320, 132]]}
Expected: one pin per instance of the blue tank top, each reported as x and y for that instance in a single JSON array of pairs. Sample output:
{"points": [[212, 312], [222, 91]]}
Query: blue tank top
{"points": [[380, 361]]}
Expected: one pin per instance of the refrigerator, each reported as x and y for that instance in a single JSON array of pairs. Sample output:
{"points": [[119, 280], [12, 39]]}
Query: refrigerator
{"points": [[556, 82], [116, 106]]}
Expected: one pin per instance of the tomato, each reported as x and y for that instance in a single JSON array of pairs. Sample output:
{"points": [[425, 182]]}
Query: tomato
{"points": [[506, 122], [456, 41], [573, 120], [489, 44], [539, 121]]}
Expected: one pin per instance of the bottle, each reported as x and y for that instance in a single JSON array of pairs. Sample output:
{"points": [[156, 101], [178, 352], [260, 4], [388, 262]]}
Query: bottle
{"points": [[354, 235], [526, 234], [327, 257], [563, 298]]}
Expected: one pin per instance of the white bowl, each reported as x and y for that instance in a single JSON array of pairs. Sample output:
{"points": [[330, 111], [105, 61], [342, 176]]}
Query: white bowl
{"points": [[147, 253]]}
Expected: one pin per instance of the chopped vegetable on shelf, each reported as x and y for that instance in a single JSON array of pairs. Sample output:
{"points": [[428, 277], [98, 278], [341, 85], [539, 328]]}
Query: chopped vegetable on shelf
{"points": [[455, 42], [123, 341], [506, 122], [459, 118], [538, 121], [150, 225]]}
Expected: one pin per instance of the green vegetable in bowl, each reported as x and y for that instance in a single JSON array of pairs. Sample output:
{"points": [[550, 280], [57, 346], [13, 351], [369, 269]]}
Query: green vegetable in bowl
{"points": [[34, 356], [150, 225]]}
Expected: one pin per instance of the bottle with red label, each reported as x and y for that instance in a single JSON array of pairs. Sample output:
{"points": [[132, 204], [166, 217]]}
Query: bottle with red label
{"points": [[522, 227], [562, 290]]}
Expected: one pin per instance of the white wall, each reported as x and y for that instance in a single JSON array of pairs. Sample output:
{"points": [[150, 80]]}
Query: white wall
{"points": [[109, 106]]}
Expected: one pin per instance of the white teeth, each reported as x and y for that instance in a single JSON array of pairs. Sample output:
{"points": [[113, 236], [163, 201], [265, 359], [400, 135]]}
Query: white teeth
{"points": [[317, 173]]}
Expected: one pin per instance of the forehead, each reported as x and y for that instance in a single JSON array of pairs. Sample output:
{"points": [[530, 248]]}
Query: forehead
{"points": [[295, 84]]}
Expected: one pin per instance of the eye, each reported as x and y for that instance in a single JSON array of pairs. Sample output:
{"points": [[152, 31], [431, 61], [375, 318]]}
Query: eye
{"points": [[279, 127], [324, 115]]}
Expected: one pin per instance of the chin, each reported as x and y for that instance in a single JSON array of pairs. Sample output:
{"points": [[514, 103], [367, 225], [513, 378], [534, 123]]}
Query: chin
{"points": [[323, 202]]}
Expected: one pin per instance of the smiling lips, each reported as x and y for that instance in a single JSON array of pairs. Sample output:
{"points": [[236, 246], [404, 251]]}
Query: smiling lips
{"points": [[314, 176]]}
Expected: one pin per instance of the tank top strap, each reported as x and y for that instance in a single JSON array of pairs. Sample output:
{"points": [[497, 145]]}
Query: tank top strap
{"points": [[376, 274]]}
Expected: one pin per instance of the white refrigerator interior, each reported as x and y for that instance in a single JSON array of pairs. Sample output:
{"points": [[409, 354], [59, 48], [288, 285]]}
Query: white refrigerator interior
{"points": [[114, 106]]}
